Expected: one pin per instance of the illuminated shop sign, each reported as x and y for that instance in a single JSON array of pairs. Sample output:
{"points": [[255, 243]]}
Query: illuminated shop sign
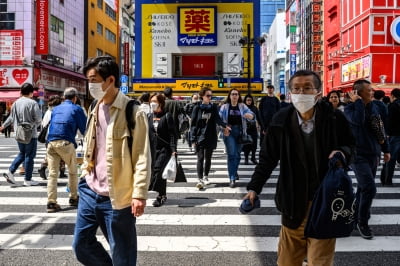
{"points": [[316, 35], [360, 68], [197, 26]]}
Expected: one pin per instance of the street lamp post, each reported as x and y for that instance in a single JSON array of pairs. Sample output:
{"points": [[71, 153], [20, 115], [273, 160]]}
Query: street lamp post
{"points": [[248, 43]]}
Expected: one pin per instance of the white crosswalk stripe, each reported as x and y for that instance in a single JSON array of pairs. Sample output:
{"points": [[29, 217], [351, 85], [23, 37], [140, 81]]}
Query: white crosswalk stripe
{"points": [[191, 221]]}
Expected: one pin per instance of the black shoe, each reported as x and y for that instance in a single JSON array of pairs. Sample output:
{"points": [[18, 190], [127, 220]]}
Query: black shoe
{"points": [[254, 161], [246, 161], [73, 202], [42, 173], [232, 184], [236, 176], [62, 174], [365, 231], [159, 201], [53, 207]]}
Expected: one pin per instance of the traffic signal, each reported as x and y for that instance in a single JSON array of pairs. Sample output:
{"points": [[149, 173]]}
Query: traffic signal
{"points": [[220, 82]]}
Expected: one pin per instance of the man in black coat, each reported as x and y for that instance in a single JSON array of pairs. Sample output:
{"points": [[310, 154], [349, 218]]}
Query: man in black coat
{"points": [[302, 137]]}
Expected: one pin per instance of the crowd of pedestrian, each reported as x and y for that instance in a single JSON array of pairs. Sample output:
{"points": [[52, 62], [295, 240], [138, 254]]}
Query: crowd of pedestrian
{"points": [[128, 144]]}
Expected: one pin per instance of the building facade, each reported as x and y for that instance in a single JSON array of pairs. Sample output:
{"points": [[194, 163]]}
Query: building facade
{"points": [[362, 41], [41, 43], [269, 8], [187, 45]]}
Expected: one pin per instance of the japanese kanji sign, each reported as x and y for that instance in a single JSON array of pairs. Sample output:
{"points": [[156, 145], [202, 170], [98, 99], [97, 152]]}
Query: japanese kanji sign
{"points": [[197, 26]]}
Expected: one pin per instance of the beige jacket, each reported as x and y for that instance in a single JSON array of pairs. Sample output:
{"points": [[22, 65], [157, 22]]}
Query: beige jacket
{"points": [[128, 173]]}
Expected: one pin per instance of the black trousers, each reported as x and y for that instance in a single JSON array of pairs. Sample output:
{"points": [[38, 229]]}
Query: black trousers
{"points": [[203, 160], [251, 147]]}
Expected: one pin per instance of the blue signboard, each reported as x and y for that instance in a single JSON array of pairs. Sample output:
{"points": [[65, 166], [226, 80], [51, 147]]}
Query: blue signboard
{"points": [[292, 64], [124, 79], [197, 26], [395, 29], [124, 89]]}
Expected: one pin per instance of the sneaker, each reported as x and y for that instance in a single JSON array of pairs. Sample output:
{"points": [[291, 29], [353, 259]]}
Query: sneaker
{"points": [[232, 184], [30, 183], [200, 184], [205, 180], [53, 207], [159, 201], [365, 231], [73, 202], [9, 177]]}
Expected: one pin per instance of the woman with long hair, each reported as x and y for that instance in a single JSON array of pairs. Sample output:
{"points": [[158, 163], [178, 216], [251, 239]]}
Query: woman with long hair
{"points": [[163, 139], [333, 98], [235, 114], [205, 117], [252, 130]]}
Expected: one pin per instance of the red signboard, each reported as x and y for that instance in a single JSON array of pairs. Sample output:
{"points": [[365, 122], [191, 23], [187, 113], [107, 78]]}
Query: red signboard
{"points": [[42, 27], [198, 65], [12, 47], [126, 58]]}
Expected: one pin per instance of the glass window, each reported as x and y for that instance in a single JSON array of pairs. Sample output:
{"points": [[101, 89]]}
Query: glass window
{"points": [[10, 25], [3, 7], [62, 2], [99, 52], [99, 28], [110, 12], [100, 4], [57, 26], [110, 36]]}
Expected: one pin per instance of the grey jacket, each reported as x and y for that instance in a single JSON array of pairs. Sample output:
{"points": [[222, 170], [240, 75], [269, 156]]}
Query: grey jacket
{"points": [[27, 110]]}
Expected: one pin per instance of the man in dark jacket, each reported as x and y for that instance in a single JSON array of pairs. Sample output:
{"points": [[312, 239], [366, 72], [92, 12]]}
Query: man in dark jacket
{"points": [[369, 142], [302, 137], [174, 108], [393, 131], [269, 105]]}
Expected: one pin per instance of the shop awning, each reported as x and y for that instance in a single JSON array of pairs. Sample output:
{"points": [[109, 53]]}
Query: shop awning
{"points": [[61, 70], [9, 95]]}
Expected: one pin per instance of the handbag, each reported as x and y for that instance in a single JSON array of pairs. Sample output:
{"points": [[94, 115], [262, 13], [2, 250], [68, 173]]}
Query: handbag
{"points": [[332, 212], [43, 134], [24, 132], [180, 175], [169, 172], [245, 138], [377, 128]]}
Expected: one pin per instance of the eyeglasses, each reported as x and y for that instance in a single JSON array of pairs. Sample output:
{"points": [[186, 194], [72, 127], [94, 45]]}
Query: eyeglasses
{"points": [[306, 90], [234, 94], [208, 95]]}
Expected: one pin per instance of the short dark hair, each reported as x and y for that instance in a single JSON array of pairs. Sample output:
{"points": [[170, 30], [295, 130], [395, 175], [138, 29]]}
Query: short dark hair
{"points": [[282, 97], [358, 85], [395, 93], [203, 91], [270, 87], [145, 97], [160, 98], [379, 94], [105, 66], [304, 72], [168, 92], [27, 89]]}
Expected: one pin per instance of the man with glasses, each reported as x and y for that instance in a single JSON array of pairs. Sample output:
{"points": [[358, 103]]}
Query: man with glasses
{"points": [[302, 137]]}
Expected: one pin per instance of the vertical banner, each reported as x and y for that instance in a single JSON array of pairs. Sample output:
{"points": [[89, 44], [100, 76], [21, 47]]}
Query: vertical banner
{"points": [[126, 58], [42, 26]]}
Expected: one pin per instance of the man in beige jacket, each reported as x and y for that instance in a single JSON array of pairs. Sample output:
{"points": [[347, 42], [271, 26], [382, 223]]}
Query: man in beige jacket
{"points": [[115, 173]]}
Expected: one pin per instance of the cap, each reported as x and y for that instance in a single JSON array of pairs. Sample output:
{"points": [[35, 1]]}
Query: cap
{"points": [[246, 206]]}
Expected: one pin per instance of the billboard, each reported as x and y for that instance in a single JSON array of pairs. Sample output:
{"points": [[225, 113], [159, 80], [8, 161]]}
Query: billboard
{"points": [[12, 77], [12, 47], [42, 27]]}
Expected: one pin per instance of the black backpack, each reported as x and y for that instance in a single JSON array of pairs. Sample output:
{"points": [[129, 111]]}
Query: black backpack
{"points": [[128, 116]]}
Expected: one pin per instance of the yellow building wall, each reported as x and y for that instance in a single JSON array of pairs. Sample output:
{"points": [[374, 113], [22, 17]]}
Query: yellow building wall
{"points": [[98, 41]]}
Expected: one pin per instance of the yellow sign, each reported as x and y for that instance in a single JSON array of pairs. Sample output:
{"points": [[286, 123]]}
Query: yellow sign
{"points": [[197, 20]]}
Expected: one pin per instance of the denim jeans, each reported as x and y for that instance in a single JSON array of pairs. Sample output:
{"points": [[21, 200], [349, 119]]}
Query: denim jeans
{"points": [[233, 149], [388, 168], [365, 171], [27, 153], [118, 226]]}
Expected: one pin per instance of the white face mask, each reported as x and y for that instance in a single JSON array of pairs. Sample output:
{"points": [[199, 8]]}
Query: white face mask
{"points": [[303, 102], [96, 90], [154, 106]]}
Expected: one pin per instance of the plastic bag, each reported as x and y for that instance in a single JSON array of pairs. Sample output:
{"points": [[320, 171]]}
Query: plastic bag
{"points": [[169, 172]]}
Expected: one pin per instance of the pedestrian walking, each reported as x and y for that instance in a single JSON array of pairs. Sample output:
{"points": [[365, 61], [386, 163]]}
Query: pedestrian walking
{"points": [[66, 119], [144, 100], [269, 105], [54, 100], [393, 131], [205, 118], [115, 172], [235, 114], [173, 107], [164, 140], [6, 130], [302, 137], [367, 126], [188, 110], [333, 98], [253, 127], [26, 114]]}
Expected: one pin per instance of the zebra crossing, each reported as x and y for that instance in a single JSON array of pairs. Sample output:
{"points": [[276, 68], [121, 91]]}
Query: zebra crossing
{"points": [[194, 227]]}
